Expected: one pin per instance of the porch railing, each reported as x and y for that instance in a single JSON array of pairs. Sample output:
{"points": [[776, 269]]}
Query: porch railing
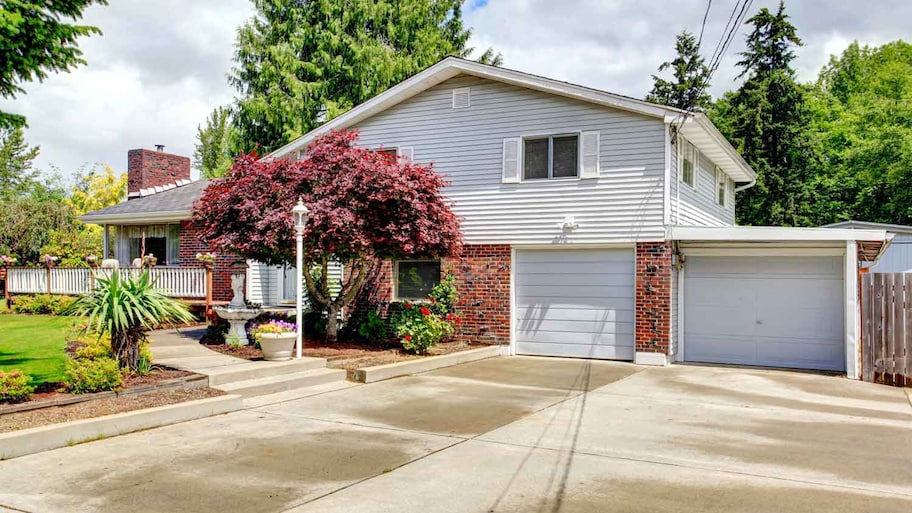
{"points": [[182, 282]]}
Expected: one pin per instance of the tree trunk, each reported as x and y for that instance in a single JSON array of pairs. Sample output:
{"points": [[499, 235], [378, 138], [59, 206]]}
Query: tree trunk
{"points": [[332, 323], [125, 347]]}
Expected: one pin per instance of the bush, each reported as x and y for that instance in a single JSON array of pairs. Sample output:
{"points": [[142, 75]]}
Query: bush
{"points": [[420, 329], [84, 376], [42, 304], [15, 386], [373, 328], [444, 296], [93, 347]]}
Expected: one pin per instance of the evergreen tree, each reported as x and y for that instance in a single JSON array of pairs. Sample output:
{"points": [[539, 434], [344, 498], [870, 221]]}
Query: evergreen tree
{"points": [[767, 119], [691, 77], [212, 151], [299, 63], [17, 178], [35, 40]]}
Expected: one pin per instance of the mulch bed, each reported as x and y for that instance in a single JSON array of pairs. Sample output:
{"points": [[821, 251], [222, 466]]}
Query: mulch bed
{"points": [[49, 391], [100, 407], [351, 355]]}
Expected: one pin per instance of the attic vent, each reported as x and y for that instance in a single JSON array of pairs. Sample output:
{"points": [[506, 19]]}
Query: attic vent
{"points": [[461, 98]]}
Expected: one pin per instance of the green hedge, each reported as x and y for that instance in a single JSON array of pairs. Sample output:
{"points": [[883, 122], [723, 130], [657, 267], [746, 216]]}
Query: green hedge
{"points": [[41, 304]]}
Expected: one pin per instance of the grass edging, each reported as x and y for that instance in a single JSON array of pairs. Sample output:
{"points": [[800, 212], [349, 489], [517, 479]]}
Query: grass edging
{"points": [[29, 441], [397, 369]]}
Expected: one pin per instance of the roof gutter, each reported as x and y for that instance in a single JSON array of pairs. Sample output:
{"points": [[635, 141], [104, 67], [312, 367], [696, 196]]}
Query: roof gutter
{"points": [[137, 217]]}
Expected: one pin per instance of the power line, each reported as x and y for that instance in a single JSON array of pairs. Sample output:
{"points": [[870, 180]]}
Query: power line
{"points": [[703, 26]]}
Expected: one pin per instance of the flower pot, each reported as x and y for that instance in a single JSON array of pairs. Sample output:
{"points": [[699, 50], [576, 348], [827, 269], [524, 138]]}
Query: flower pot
{"points": [[277, 346]]}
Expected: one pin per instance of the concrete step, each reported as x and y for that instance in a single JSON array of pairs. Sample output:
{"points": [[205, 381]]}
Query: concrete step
{"points": [[222, 375], [281, 383]]}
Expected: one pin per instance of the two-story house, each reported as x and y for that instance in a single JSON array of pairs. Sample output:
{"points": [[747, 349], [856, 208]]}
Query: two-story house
{"points": [[601, 226]]}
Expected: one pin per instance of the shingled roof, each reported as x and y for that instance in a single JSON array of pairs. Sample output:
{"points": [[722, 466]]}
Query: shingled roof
{"points": [[167, 206]]}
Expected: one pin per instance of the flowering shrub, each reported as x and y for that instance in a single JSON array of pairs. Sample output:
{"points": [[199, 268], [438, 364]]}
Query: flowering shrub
{"points": [[206, 258], [49, 260], [443, 296], [6, 260], [149, 260], [15, 386], [91, 259], [419, 329], [274, 326]]}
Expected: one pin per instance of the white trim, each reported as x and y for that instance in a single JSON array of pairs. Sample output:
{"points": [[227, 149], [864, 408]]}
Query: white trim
{"points": [[852, 311], [778, 251], [512, 345], [562, 246], [682, 276], [137, 217], [770, 233], [651, 359], [684, 147], [717, 174], [666, 198]]}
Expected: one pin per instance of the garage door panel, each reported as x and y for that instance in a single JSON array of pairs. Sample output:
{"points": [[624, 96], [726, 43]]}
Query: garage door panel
{"points": [[772, 311], [581, 292], [575, 303], [601, 326], [583, 279], [721, 348], [787, 353], [576, 350]]}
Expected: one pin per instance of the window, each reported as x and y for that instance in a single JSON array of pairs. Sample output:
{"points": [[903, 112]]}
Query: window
{"points": [[721, 186], [389, 152], [688, 162], [555, 156], [416, 278]]}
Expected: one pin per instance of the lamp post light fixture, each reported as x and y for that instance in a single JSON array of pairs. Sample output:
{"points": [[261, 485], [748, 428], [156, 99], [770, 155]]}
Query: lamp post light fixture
{"points": [[300, 213]]}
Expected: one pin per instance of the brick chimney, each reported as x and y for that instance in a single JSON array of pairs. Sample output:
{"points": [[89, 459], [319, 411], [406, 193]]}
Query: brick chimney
{"points": [[151, 171]]}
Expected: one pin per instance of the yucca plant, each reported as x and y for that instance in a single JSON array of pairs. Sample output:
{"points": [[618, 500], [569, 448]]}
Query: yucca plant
{"points": [[125, 309]]}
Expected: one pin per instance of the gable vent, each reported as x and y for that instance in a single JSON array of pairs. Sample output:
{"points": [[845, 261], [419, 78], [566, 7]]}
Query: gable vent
{"points": [[462, 98]]}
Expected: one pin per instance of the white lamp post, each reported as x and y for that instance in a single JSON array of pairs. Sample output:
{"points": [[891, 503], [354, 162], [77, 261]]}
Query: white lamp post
{"points": [[300, 213]]}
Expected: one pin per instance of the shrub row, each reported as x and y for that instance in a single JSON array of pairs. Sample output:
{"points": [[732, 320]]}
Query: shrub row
{"points": [[41, 304]]}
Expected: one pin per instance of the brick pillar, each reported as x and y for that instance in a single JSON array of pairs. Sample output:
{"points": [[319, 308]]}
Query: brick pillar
{"points": [[653, 302], [483, 280]]}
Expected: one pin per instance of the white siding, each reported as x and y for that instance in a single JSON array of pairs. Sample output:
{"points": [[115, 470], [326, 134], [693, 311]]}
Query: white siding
{"points": [[697, 206], [897, 258], [466, 145], [263, 285]]}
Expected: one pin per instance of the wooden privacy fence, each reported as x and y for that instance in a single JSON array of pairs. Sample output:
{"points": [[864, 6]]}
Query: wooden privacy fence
{"points": [[886, 320]]}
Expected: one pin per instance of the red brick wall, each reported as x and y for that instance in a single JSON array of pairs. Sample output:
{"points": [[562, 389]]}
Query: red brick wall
{"points": [[147, 168], [653, 297], [190, 245], [482, 280]]}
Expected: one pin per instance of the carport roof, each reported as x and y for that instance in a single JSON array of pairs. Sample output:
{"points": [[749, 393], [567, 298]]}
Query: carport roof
{"points": [[871, 243]]}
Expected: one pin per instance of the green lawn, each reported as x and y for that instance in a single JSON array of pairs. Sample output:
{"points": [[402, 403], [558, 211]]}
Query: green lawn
{"points": [[34, 344]]}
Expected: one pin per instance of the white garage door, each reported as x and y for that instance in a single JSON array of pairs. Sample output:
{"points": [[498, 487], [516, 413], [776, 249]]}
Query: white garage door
{"points": [[769, 311], [575, 302]]}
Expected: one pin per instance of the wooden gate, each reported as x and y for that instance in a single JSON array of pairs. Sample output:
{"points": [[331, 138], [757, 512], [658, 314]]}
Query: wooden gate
{"points": [[886, 320]]}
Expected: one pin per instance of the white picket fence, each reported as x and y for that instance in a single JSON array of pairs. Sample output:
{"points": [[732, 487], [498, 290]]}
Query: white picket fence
{"points": [[184, 282]]}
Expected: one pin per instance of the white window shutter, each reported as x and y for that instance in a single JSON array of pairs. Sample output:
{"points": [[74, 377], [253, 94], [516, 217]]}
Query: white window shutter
{"points": [[406, 152], [512, 161], [589, 154]]}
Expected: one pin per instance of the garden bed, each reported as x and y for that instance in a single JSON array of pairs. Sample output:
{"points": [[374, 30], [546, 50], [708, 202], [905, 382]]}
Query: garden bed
{"points": [[351, 356], [102, 406]]}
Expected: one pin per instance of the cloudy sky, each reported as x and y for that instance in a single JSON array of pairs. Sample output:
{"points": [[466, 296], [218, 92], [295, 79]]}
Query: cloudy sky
{"points": [[161, 65]]}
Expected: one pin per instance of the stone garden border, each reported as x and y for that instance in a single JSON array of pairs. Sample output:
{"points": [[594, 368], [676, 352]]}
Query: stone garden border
{"points": [[397, 369]]}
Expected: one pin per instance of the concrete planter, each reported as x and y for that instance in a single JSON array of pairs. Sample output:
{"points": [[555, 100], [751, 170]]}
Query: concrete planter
{"points": [[277, 346]]}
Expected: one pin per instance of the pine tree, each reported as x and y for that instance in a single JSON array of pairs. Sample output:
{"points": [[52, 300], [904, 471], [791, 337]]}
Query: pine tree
{"points": [[17, 178], [299, 63], [212, 151], [691, 77], [767, 118]]}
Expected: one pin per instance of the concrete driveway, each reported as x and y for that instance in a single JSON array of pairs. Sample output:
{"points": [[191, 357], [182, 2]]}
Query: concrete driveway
{"points": [[510, 434]]}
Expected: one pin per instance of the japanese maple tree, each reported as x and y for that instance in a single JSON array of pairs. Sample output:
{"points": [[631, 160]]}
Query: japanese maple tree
{"points": [[364, 206]]}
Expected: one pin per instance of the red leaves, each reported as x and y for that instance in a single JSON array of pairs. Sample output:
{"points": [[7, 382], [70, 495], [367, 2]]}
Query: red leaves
{"points": [[362, 204]]}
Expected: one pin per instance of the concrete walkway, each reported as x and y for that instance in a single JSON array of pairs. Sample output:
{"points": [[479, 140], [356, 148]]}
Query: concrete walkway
{"points": [[181, 349], [515, 434]]}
